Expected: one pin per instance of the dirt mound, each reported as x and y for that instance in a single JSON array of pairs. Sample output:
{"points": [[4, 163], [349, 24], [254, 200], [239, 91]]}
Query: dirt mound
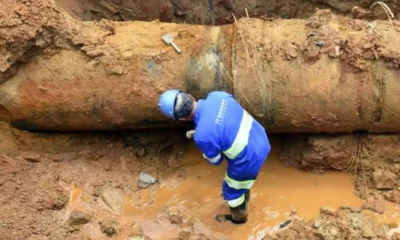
{"points": [[208, 12], [42, 175], [345, 223]]}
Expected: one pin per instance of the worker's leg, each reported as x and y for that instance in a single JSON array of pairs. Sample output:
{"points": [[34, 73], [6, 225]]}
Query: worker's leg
{"points": [[237, 194], [238, 209], [239, 213], [247, 196]]}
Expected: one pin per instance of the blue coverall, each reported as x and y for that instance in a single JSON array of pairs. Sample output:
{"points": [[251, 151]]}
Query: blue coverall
{"points": [[224, 129]]}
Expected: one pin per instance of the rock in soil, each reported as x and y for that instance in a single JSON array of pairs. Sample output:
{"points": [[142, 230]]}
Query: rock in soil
{"points": [[78, 218], [145, 180], [33, 157], [108, 227], [344, 224], [375, 206], [114, 198], [175, 215]]}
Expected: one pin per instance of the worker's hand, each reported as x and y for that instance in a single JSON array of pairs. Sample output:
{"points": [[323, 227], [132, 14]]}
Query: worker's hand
{"points": [[190, 134]]}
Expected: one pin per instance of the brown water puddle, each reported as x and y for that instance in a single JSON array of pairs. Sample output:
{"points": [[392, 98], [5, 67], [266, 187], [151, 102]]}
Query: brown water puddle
{"points": [[278, 191]]}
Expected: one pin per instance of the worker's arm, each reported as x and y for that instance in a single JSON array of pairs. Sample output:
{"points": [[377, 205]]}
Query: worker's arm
{"points": [[210, 151]]}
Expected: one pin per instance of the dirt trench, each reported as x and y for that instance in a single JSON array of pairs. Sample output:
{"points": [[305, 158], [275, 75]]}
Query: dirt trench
{"points": [[86, 185], [211, 11]]}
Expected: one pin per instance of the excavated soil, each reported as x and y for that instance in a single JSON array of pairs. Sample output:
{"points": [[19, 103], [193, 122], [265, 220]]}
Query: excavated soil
{"points": [[39, 175], [344, 223], [211, 11], [85, 186]]}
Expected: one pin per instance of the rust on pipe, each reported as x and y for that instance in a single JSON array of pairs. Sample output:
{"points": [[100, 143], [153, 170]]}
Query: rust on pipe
{"points": [[116, 84], [324, 74]]}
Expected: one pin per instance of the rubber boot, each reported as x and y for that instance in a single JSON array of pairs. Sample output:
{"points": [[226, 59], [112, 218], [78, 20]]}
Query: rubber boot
{"points": [[247, 197], [239, 214]]}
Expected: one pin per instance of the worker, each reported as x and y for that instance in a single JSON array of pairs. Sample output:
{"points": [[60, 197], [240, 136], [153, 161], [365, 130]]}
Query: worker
{"points": [[223, 129]]}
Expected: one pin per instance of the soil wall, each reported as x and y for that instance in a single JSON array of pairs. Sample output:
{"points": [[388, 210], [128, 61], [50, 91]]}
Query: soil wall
{"points": [[372, 158], [211, 11]]}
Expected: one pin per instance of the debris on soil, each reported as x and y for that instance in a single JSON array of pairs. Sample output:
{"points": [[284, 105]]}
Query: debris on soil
{"points": [[67, 192], [33, 157], [360, 13], [114, 198], [175, 215], [342, 224], [109, 227], [374, 205], [145, 180], [285, 224], [78, 218]]}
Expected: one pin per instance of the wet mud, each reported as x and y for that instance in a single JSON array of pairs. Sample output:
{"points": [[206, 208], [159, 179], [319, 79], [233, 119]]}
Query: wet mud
{"points": [[371, 158], [85, 186], [155, 184]]}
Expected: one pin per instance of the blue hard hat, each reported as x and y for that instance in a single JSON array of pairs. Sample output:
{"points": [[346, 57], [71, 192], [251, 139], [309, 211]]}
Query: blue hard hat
{"points": [[167, 102]]}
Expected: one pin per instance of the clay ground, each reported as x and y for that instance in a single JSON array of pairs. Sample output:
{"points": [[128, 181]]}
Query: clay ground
{"points": [[72, 186]]}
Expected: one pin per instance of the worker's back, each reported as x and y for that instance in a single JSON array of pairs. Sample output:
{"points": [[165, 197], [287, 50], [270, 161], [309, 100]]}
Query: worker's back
{"points": [[224, 125]]}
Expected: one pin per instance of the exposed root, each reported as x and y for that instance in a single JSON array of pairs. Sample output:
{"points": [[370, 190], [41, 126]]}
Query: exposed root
{"points": [[357, 159], [254, 64], [233, 83], [385, 7]]}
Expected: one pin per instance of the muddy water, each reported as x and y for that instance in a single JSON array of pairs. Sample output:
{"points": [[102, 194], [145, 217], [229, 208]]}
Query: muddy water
{"points": [[279, 193]]}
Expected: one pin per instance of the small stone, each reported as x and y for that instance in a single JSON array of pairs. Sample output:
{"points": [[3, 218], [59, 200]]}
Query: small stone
{"points": [[140, 152], [137, 238], [291, 52], [368, 45], [367, 232], [108, 227], [114, 198], [33, 157], [328, 211], [293, 212], [184, 234], [320, 43], [333, 231], [175, 215], [145, 180], [337, 41], [78, 218], [317, 223]]}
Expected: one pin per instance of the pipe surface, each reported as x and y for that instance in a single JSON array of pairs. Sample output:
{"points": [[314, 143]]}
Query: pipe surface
{"points": [[324, 74]]}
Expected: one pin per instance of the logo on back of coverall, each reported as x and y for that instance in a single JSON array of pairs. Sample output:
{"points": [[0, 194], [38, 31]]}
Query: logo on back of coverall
{"points": [[221, 112]]}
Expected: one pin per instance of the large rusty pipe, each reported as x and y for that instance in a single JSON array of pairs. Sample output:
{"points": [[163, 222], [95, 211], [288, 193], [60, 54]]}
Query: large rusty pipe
{"points": [[325, 74]]}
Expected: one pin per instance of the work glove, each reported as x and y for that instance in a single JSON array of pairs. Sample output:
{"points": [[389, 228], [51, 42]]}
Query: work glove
{"points": [[190, 134]]}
